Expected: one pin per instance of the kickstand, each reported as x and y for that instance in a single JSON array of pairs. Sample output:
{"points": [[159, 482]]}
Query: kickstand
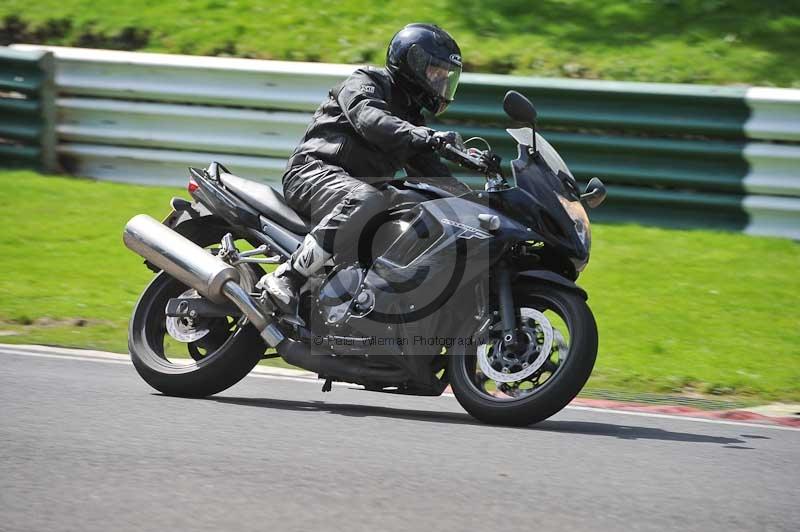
{"points": [[328, 385]]}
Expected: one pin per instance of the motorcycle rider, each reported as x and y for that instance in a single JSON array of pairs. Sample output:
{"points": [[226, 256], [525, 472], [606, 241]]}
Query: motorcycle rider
{"points": [[368, 128]]}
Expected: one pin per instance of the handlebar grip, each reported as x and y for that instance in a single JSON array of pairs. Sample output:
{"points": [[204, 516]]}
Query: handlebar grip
{"points": [[462, 158]]}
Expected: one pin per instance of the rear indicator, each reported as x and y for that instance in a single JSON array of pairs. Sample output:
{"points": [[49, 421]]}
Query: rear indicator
{"points": [[192, 186]]}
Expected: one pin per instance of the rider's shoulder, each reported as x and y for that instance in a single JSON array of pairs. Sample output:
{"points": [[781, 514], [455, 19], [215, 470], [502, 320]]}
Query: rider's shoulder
{"points": [[371, 79]]}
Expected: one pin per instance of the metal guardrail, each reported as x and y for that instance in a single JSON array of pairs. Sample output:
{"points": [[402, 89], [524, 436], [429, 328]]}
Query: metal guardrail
{"points": [[27, 114], [680, 155]]}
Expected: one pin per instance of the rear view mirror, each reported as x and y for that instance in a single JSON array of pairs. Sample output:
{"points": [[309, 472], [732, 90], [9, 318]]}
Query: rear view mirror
{"points": [[519, 108], [595, 193]]}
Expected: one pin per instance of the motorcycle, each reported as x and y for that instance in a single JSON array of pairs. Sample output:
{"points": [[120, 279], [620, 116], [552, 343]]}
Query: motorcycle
{"points": [[475, 291]]}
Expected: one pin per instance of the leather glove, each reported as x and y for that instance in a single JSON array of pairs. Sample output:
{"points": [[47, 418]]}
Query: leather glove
{"points": [[421, 137], [441, 138]]}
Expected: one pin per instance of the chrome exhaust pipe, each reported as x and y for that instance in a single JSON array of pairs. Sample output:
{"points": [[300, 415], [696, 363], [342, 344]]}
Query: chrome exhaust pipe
{"points": [[196, 268], [179, 256]]}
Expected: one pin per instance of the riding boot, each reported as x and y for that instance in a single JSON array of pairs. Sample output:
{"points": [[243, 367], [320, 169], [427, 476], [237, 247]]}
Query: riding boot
{"points": [[283, 285]]}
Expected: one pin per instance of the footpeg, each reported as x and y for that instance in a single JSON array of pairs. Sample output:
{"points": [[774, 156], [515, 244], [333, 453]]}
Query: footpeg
{"points": [[229, 253]]}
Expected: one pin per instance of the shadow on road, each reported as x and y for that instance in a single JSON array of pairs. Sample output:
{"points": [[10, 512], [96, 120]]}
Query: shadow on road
{"points": [[626, 432], [631, 432]]}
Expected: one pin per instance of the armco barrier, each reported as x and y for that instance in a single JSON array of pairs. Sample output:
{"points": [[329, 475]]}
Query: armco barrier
{"points": [[681, 155], [27, 117]]}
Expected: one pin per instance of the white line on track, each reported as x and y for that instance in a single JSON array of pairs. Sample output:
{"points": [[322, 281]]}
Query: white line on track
{"points": [[65, 357], [267, 373]]}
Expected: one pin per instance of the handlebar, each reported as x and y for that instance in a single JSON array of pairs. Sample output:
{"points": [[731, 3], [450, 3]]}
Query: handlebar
{"points": [[485, 162], [465, 159]]}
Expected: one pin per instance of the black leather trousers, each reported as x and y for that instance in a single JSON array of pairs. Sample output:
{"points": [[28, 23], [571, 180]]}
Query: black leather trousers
{"points": [[345, 209]]}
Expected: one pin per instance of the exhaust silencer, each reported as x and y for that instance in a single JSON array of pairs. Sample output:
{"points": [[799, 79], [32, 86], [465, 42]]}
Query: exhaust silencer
{"points": [[195, 267], [179, 256]]}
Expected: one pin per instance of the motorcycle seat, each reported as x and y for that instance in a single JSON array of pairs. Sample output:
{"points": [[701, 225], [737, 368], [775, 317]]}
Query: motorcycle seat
{"points": [[267, 201]]}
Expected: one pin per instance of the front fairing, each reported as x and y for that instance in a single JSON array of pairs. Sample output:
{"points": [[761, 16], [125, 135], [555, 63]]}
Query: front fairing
{"points": [[554, 210], [544, 206]]}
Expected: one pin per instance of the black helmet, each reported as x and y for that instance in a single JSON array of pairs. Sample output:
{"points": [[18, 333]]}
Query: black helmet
{"points": [[424, 57]]}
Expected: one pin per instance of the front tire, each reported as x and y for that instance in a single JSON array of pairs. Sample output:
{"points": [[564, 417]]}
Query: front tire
{"points": [[524, 403]]}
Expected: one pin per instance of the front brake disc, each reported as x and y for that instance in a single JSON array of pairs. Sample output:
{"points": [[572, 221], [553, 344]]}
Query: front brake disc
{"points": [[541, 327]]}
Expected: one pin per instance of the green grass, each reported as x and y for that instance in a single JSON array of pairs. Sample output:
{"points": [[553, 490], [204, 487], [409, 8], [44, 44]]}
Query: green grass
{"points": [[63, 261], [682, 311], [693, 41]]}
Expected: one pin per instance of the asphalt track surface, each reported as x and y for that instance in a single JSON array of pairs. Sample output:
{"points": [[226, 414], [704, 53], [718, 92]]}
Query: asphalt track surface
{"points": [[86, 445]]}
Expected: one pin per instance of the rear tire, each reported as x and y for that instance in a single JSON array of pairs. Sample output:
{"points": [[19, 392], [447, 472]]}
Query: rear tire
{"points": [[556, 392], [213, 373]]}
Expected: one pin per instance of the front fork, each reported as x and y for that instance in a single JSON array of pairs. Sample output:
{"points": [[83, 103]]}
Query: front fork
{"points": [[505, 299]]}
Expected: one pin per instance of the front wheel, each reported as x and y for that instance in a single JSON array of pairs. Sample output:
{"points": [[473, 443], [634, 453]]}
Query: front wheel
{"points": [[526, 382]]}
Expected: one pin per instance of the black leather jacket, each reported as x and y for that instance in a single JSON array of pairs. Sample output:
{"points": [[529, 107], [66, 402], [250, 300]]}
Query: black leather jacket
{"points": [[370, 127]]}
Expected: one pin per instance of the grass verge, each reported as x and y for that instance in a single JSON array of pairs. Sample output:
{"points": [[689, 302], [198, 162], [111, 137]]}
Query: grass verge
{"points": [[691, 41], [678, 311]]}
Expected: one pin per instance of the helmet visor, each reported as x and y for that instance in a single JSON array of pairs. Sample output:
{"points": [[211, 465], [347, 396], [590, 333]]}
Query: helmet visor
{"points": [[439, 76]]}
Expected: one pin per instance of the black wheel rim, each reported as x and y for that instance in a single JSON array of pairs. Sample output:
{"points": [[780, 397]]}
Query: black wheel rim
{"points": [[552, 364], [176, 355], [173, 356]]}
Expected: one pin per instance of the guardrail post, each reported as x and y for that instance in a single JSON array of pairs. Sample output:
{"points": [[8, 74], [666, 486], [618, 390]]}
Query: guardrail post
{"points": [[47, 102], [28, 109]]}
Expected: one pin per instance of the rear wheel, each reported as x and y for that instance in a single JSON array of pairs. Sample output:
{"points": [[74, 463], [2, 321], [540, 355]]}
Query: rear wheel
{"points": [[192, 358], [530, 381]]}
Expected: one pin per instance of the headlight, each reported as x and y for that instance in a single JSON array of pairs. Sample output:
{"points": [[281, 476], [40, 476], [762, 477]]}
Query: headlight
{"points": [[578, 214]]}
